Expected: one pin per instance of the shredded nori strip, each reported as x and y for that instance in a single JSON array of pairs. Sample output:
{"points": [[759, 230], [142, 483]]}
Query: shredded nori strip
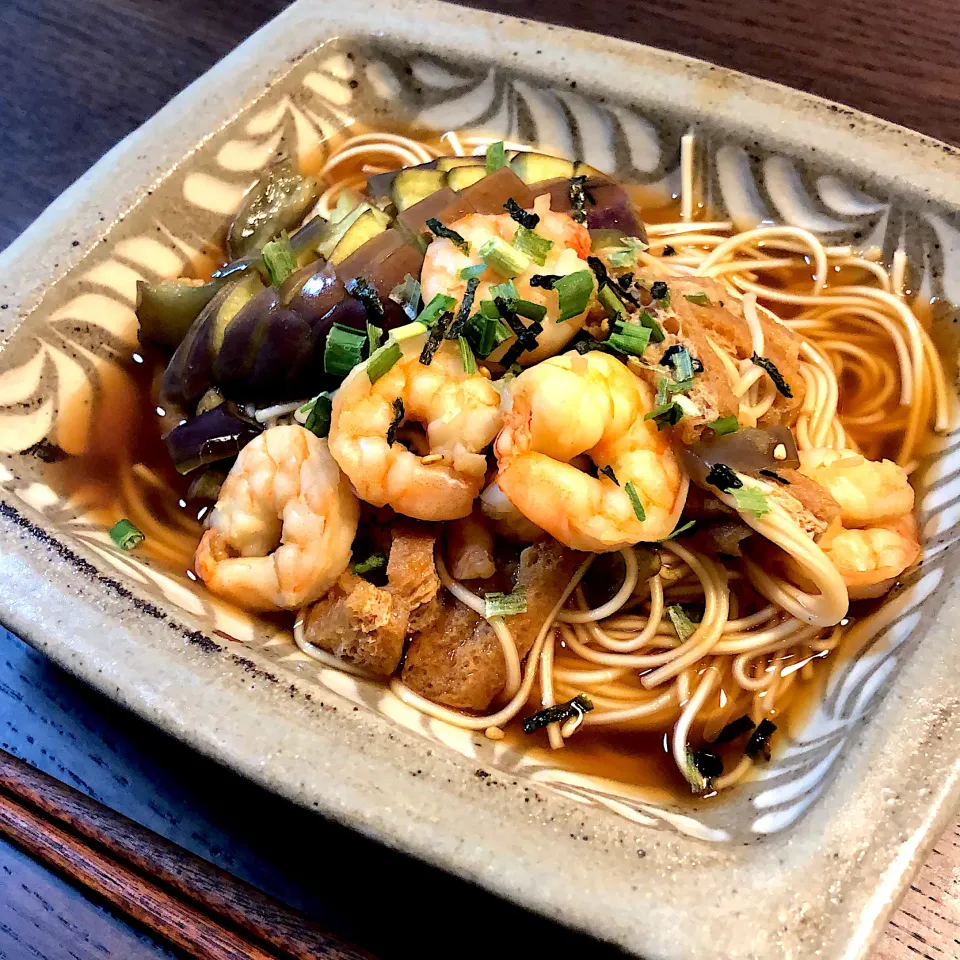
{"points": [[735, 728], [723, 478], [669, 251], [463, 313], [607, 471], [775, 375], [398, 414], [525, 335], [557, 714], [625, 280], [773, 475], [528, 220], [439, 230], [545, 280], [758, 746], [659, 290], [366, 293], [434, 337], [604, 280], [707, 763], [578, 199]]}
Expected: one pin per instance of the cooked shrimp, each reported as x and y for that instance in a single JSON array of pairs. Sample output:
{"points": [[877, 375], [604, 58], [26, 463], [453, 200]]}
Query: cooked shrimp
{"points": [[592, 404], [470, 548], [508, 522], [869, 492], [571, 247], [281, 532], [461, 415], [870, 560]]}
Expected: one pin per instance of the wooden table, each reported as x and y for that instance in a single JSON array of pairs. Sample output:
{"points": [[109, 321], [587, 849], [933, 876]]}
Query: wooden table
{"points": [[79, 75]]}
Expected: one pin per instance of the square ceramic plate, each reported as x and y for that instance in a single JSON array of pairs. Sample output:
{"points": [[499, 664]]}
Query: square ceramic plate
{"points": [[807, 861]]}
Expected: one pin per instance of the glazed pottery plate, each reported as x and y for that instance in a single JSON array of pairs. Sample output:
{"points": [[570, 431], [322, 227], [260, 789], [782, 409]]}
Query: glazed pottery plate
{"points": [[807, 860]]}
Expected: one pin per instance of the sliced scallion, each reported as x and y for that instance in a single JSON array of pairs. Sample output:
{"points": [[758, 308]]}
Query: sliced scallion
{"points": [[505, 604], [125, 535], [666, 415], [466, 356], [626, 255], [629, 338], [700, 299], [376, 561], [504, 259], [684, 626], [751, 499], [485, 334], [407, 294], [611, 303], [573, 293], [656, 331], [318, 419], [474, 270], [343, 350], [435, 309], [532, 244], [631, 491], [724, 425], [374, 336], [496, 157], [279, 259], [382, 360]]}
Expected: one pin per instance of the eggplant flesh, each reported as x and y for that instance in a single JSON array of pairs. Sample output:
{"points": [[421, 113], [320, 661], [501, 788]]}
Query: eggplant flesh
{"points": [[748, 450], [167, 308]]}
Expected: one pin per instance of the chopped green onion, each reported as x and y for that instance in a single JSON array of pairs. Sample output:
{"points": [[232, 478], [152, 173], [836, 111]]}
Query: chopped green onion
{"points": [[611, 303], [408, 330], [407, 294], [366, 293], [279, 259], [398, 414], [530, 310], [607, 471], [506, 260], [683, 528], [759, 743], [724, 425], [578, 199], [528, 220], [775, 375], [125, 535], [631, 491], [445, 233], [700, 299], [507, 290], [474, 270], [723, 478], [526, 336], [343, 350], [626, 255], [320, 415], [629, 338], [376, 561], [679, 358], [485, 334], [656, 331], [374, 336], [666, 415], [505, 604], [435, 309], [751, 499], [532, 244], [580, 704], [663, 392], [692, 774], [496, 157], [573, 293], [684, 626], [382, 360], [466, 356], [455, 330]]}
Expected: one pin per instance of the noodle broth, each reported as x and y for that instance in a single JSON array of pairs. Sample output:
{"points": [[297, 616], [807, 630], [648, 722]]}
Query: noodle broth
{"points": [[131, 476]]}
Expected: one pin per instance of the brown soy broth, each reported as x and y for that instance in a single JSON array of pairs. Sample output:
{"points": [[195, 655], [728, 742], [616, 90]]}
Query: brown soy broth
{"points": [[108, 482]]}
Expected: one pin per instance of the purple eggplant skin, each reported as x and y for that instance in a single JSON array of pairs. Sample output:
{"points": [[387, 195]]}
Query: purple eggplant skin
{"points": [[612, 210], [167, 308], [215, 435], [303, 243]]}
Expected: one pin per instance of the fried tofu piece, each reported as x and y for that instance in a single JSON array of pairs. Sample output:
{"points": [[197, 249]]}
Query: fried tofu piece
{"points": [[458, 661], [367, 625]]}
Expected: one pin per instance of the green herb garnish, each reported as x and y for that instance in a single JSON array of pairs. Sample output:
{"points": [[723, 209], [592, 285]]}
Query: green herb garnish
{"points": [[467, 358], [376, 561], [775, 375], [573, 293], [485, 334], [407, 295], [579, 705], [319, 415], [382, 360], [751, 500], [474, 270], [496, 157], [656, 331], [506, 260], [611, 303], [700, 299], [505, 604], [682, 528], [279, 259], [724, 425], [343, 350], [666, 415], [679, 358], [435, 309], [374, 336], [631, 491], [692, 774], [626, 255], [683, 625], [532, 244], [629, 338], [439, 230], [125, 535]]}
